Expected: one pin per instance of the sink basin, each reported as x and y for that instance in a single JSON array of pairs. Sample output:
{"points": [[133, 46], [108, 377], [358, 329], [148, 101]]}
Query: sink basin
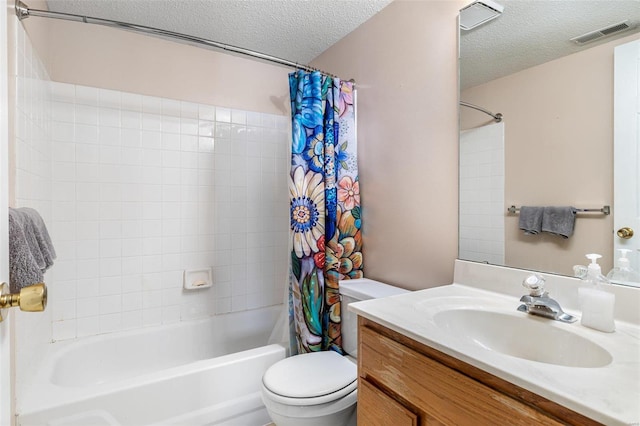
{"points": [[529, 338]]}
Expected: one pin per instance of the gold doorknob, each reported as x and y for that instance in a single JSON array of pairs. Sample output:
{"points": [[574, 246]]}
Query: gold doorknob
{"points": [[625, 233], [32, 298]]}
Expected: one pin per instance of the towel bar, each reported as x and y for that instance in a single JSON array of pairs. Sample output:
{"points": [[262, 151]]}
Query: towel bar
{"points": [[606, 210]]}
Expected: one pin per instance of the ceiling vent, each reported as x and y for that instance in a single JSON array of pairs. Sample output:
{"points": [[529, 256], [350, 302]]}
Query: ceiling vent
{"points": [[604, 32], [478, 13]]}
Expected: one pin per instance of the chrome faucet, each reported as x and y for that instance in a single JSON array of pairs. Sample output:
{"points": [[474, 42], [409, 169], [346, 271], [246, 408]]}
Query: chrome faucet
{"points": [[539, 303]]}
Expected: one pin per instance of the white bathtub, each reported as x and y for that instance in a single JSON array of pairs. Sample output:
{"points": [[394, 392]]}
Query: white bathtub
{"points": [[205, 372]]}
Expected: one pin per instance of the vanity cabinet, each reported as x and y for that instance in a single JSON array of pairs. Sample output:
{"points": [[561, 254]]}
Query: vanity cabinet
{"points": [[404, 382]]}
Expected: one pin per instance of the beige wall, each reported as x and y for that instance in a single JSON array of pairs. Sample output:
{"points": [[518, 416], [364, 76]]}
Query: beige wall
{"points": [[109, 58], [559, 151], [404, 61]]}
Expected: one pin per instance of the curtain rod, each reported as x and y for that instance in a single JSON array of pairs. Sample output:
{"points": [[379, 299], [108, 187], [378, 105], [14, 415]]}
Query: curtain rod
{"points": [[497, 117], [23, 11]]}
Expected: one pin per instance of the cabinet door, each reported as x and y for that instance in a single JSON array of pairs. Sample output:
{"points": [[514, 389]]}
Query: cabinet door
{"points": [[438, 392], [376, 408]]}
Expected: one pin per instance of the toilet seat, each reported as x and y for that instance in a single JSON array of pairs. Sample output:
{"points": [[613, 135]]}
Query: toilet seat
{"points": [[311, 379]]}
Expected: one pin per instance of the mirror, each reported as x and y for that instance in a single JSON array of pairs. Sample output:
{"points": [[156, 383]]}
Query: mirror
{"points": [[554, 146]]}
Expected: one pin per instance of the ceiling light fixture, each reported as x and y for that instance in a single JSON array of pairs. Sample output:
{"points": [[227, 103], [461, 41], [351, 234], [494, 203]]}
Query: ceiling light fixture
{"points": [[479, 12]]}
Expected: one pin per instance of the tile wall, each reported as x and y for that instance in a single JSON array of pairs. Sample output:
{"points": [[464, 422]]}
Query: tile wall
{"points": [[33, 186], [33, 124], [145, 188], [482, 210], [137, 189]]}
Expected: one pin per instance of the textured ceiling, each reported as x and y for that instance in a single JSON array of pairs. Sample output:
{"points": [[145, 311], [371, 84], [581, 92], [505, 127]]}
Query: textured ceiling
{"points": [[531, 32], [528, 33], [296, 30]]}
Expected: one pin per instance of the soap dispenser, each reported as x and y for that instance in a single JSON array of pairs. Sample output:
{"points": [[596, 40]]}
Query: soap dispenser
{"points": [[595, 301], [622, 272]]}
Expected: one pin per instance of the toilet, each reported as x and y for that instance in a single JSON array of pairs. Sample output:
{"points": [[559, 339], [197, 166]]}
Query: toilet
{"points": [[320, 388]]}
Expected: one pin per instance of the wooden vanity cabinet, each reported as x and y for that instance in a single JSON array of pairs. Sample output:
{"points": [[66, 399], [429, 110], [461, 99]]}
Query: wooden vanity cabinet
{"points": [[403, 382]]}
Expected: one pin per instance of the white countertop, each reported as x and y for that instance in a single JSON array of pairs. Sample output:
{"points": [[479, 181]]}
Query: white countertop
{"points": [[609, 394]]}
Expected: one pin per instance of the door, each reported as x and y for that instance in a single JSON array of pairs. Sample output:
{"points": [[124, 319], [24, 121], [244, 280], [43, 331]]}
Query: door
{"points": [[6, 386], [626, 151]]}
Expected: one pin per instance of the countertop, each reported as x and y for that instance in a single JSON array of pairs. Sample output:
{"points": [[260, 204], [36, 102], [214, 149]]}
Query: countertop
{"points": [[609, 394]]}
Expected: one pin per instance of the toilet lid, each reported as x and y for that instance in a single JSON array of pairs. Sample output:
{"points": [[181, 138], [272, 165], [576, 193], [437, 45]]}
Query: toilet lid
{"points": [[310, 375]]}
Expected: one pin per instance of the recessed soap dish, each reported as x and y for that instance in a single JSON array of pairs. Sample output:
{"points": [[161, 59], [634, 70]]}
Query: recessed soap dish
{"points": [[197, 278]]}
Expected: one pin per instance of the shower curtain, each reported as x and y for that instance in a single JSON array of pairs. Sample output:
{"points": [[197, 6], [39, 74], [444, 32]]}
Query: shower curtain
{"points": [[324, 208]]}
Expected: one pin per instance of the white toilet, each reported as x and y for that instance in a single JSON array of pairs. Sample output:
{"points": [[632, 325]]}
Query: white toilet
{"points": [[320, 388]]}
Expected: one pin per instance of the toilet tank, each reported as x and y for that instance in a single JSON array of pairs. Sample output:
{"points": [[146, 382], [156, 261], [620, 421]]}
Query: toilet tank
{"points": [[355, 291]]}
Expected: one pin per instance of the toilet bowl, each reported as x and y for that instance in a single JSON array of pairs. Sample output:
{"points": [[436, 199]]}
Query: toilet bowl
{"points": [[314, 389], [320, 388]]}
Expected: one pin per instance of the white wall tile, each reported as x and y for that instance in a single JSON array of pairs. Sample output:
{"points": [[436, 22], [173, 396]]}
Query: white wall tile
{"points": [[63, 330], [87, 211], [63, 112], [88, 326], [170, 159], [86, 95], [170, 107], [87, 153], [482, 194], [38, 144], [64, 152], [110, 322], [131, 102], [151, 122], [109, 98], [111, 248], [222, 130], [189, 126], [86, 114], [189, 143], [132, 301], [132, 139], [109, 136], [144, 188], [63, 92], [206, 112], [64, 132], [64, 172], [170, 314], [151, 139], [171, 141], [64, 310], [110, 304], [86, 133], [110, 229], [84, 230], [132, 320], [223, 115], [152, 317]]}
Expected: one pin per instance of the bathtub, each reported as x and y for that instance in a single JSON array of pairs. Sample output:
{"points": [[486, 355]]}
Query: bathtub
{"points": [[204, 372]]}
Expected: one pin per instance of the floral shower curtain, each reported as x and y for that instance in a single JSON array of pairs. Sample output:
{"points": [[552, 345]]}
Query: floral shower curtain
{"points": [[324, 206]]}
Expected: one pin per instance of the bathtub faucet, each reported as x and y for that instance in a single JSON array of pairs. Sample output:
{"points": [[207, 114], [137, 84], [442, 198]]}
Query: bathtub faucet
{"points": [[538, 302]]}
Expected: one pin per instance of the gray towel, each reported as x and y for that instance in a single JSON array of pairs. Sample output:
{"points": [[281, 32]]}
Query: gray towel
{"points": [[41, 235], [23, 267], [29, 231], [559, 220], [530, 220]]}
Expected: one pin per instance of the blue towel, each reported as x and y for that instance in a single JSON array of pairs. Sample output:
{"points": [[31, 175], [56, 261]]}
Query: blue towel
{"points": [[559, 220]]}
